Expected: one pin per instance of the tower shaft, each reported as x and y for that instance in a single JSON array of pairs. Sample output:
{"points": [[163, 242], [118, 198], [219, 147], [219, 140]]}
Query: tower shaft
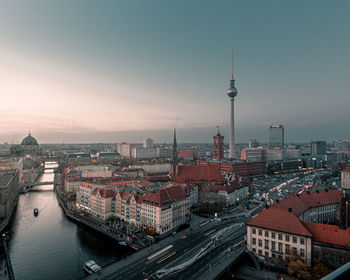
{"points": [[232, 129]]}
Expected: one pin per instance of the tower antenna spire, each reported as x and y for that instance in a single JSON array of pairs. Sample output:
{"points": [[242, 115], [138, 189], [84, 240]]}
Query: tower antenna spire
{"points": [[232, 61]]}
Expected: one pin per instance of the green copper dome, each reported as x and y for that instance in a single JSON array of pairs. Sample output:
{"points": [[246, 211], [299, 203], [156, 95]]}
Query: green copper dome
{"points": [[29, 141]]}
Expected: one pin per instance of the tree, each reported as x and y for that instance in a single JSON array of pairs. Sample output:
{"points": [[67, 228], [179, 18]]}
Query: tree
{"points": [[299, 269], [320, 270]]}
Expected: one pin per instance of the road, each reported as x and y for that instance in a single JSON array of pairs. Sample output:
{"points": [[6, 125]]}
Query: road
{"points": [[184, 247]]}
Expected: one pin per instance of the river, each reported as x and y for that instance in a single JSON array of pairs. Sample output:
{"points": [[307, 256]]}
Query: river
{"points": [[50, 246]]}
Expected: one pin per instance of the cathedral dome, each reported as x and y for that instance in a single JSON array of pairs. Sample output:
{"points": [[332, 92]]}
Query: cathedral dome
{"points": [[29, 141]]}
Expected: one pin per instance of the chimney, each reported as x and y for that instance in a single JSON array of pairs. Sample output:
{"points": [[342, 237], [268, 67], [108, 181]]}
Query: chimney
{"points": [[326, 190], [290, 210], [318, 191]]}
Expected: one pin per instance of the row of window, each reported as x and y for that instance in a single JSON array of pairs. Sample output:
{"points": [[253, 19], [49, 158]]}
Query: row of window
{"points": [[295, 251], [280, 236]]}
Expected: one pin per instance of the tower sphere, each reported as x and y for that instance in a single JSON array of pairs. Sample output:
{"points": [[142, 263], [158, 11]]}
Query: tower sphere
{"points": [[232, 91]]}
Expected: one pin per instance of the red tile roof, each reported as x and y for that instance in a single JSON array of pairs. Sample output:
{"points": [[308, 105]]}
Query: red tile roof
{"points": [[304, 201], [159, 198], [329, 234], [103, 192], [125, 195], [164, 196], [195, 173], [186, 154], [279, 220]]}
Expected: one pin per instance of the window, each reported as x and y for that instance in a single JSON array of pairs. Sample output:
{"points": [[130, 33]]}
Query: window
{"points": [[280, 236], [279, 247], [273, 235], [260, 232], [254, 231], [287, 238], [254, 250], [302, 240], [260, 242], [273, 245], [273, 255], [294, 250], [287, 248], [266, 253], [254, 241], [266, 233], [301, 252], [266, 244], [294, 239], [260, 252]]}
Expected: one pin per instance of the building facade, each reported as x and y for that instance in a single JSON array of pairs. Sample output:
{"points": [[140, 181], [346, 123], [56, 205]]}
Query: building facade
{"points": [[9, 191], [252, 154], [276, 136], [101, 203], [286, 228], [318, 148], [144, 153]]}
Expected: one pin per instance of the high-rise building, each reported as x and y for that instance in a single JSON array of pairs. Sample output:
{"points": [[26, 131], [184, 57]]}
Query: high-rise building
{"points": [[232, 93], [124, 149], [342, 145], [218, 153], [148, 143], [276, 136], [318, 148]]}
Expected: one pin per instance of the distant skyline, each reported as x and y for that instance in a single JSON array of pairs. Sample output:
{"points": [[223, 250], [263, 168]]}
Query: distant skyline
{"points": [[112, 71]]}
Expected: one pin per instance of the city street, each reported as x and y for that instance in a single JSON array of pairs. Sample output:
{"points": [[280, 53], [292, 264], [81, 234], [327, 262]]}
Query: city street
{"points": [[184, 245]]}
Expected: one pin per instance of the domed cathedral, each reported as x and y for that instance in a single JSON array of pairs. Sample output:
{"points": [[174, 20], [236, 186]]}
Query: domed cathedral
{"points": [[28, 146], [29, 141]]}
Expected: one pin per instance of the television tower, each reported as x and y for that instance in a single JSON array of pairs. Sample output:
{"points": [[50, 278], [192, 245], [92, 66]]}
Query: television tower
{"points": [[232, 92]]}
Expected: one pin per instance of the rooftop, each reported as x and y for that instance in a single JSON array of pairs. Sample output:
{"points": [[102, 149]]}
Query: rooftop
{"points": [[196, 173], [329, 234], [280, 220], [300, 203]]}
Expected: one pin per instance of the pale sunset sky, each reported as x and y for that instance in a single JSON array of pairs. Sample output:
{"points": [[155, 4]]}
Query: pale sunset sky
{"points": [[110, 71]]}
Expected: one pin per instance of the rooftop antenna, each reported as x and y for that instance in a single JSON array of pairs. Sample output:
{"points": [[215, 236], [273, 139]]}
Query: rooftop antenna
{"points": [[29, 134], [232, 62], [218, 127]]}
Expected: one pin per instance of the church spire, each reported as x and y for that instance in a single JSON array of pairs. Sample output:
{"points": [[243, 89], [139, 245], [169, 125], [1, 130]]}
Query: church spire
{"points": [[174, 148]]}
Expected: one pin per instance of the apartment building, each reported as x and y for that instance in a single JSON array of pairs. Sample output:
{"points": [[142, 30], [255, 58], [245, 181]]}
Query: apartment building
{"points": [[83, 197], [165, 209], [101, 203], [128, 207], [285, 228], [276, 234]]}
